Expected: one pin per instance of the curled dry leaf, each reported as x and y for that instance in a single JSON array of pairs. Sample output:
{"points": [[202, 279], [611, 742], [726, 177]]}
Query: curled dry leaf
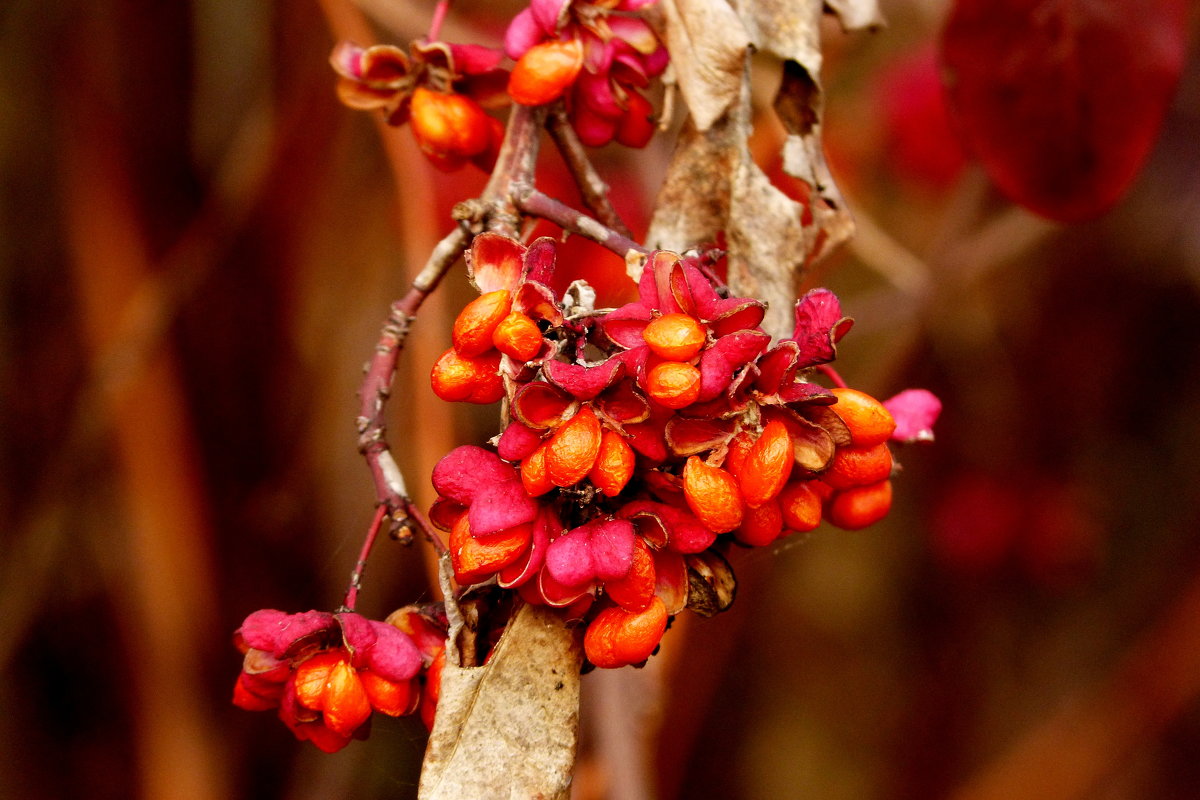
{"points": [[713, 185], [509, 729]]}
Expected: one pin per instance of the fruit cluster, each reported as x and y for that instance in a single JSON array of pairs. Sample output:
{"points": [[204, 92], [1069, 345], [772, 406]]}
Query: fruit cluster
{"points": [[642, 440], [440, 89], [326, 673], [597, 60]]}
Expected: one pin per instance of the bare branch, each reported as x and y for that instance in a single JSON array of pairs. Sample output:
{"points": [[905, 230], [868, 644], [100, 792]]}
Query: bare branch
{"points": [[534, 202], [591, 186]]}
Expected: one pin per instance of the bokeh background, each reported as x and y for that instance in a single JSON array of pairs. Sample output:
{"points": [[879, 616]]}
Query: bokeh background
{"points": [[197, 248]]}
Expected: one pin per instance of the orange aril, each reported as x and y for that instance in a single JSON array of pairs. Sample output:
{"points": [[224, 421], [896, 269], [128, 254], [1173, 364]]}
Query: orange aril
{"points": [[858, 466], [474, 379], [344, 702], [859, 506], [713, 495], [673, 384], [475, 324], [544, 72], [767, 466], [614, 464], [533, 473], [474, 558], [869, 422], [739, 449], [452, 377], [571, 451], [433, 688], [448, 126], [311, 677], [394, 698], [676, 337], [616, 637], [518, 337], [635, 591], [800, 502], [762, 525]]}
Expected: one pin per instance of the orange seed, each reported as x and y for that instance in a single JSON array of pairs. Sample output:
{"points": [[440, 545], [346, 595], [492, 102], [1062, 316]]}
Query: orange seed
{"points": [[673, 383], [869, 422], [676, 337], [518, 337], [859, 506], [858, 466], [800, 503], [713, 495], [616, 637], [533, 472], [768, 465], [475, 324], [571, 451], [762, 525], [614, 464]]}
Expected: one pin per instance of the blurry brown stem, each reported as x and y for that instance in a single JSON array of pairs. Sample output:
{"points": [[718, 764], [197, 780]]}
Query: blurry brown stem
{"points": [[591, 186], [531, 201]]}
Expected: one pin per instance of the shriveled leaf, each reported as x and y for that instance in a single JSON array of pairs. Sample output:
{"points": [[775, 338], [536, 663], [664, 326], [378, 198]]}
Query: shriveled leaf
{"points": [[509, 729], [713, 185], [708, 44], [1062, 102]]}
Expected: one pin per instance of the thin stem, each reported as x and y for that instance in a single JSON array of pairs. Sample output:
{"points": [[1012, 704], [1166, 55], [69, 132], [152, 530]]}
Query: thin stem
{"points": [[360, 565], [439, 16], [390, 490], [832, 374], [534, 202], [514, 169], [591, 186]]}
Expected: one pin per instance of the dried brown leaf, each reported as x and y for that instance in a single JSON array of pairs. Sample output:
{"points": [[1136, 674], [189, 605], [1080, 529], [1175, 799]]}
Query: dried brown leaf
{"points": [[713, 184], [509, 729], [708, 46]]}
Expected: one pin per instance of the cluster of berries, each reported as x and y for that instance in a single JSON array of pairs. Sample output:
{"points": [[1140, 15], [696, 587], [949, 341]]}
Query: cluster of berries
{"points": [[596, 60], [326, 673], [562, 48], [643, 439]]}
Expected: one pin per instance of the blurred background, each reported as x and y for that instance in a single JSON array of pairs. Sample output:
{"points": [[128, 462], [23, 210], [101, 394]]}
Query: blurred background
{"points": [[198, 245]]}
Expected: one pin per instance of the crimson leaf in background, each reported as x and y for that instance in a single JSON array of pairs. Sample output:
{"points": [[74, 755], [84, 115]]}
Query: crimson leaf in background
{"points": [[1061, 100]]}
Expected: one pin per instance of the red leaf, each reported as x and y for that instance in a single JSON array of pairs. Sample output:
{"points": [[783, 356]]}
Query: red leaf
{"points": [[1062, 100]]}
